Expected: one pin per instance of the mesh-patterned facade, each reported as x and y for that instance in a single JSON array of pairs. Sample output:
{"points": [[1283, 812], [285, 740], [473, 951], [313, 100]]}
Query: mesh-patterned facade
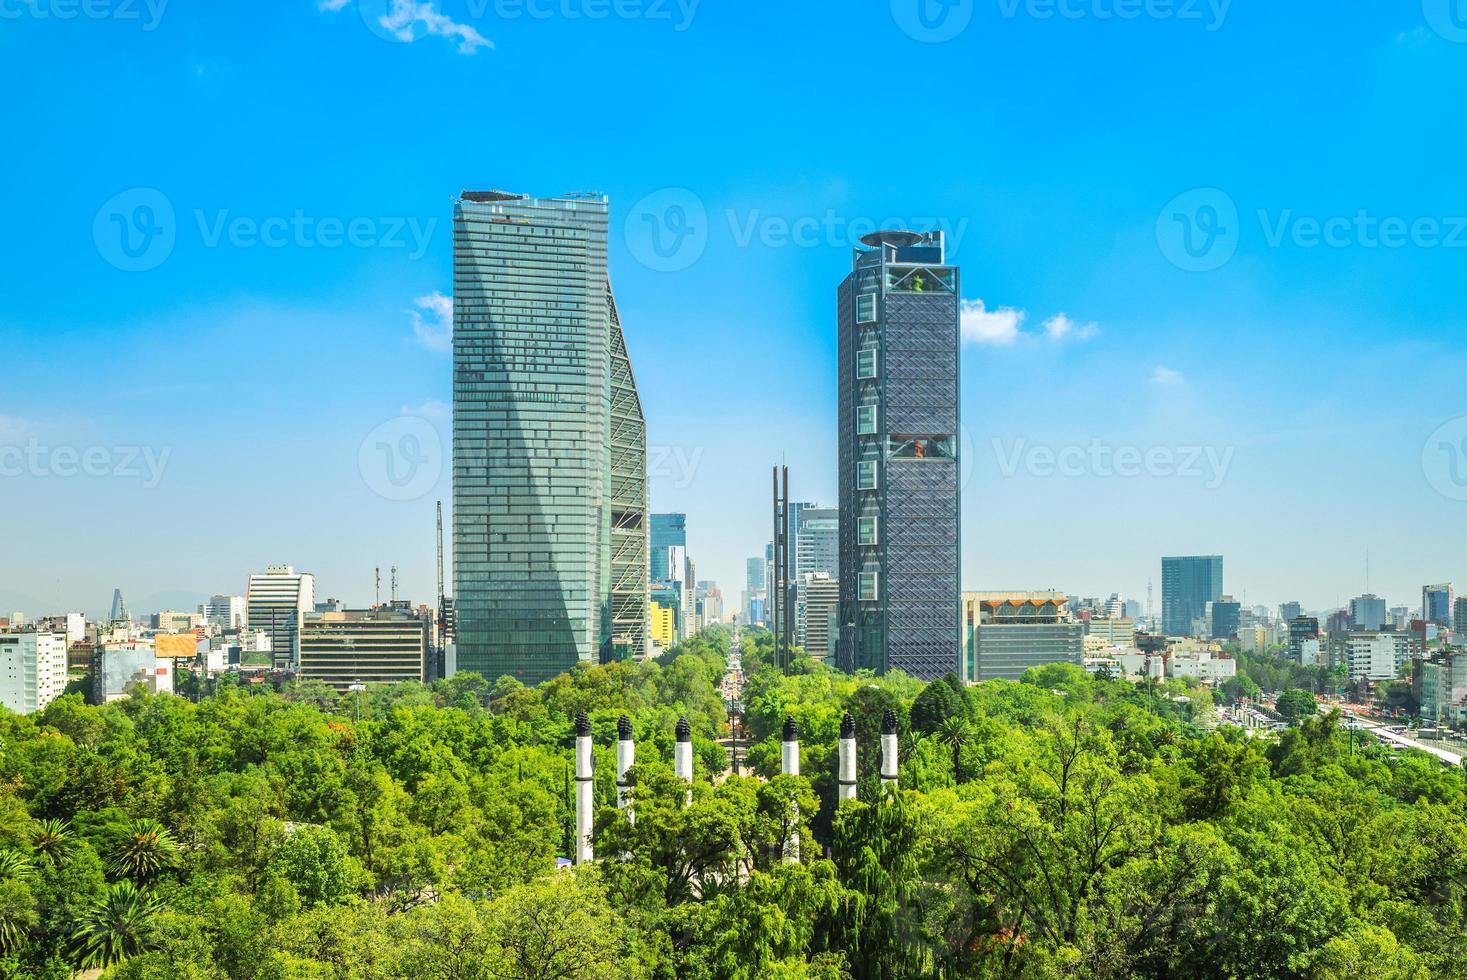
{"points": [[549, 443], [899, 426]]}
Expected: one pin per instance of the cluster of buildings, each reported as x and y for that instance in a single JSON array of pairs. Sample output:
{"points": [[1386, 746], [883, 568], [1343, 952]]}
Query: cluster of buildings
{"points": [[681, 603]]}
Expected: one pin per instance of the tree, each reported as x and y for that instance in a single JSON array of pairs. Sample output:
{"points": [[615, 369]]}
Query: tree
{"points": [[53, 839], [556, 928], [955, 733], [936, 704], [122, 924], [1297, 704], [143, 850], [314, 861]]}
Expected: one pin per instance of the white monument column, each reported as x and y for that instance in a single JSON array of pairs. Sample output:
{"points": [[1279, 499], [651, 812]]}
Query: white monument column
{"points": [[846, 780], [789, 756], [585, 772], [889, 750], [626, 757], [682, 762]]}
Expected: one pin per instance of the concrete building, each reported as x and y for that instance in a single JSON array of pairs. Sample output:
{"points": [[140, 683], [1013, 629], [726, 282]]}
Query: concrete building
{"points": [[226, 612], [274, 603], [1113, 631], [174, 621], [1188, 584], [1006, 633], [664, 626], [365, 646], [32, 669], [1443, 688], [550, 523], [118, 666], [898, 425], [819, 615], [1376, 655], [1436, 604], [1368, 612], [1301, 628]]}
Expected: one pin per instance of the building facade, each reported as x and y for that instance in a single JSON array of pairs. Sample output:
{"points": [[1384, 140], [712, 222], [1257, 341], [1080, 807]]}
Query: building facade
{"points": [[668, 531], [550, 524], [32, 669], [1376, 655], [274, 602], [1006, 633], [819, 615], [1367, 612], [898, 425], [1436, 604], [365, 646], [1188, 584]]}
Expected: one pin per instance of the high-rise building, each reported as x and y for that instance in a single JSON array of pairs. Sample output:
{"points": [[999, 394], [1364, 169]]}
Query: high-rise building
{"points": [[1188, 584], [1376, 655], [274, 603], [817, 542], [1290, 610], [1436, 604], [898, 427], [1006, 633], [365, 646], [1368, 612], [819, 615], [549, 443], [1224, 618], [227, 612], [32, 669], [1302, 629], [668, 530]]}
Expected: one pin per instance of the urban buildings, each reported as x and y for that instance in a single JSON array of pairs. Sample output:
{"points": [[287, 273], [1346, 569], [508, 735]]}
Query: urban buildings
{"points": [[819, 615], [1436, 604], [1442, 681], [1224, 618], [1302, 629], [365, 646], [664, 626], [1188, 584], [550, 526], [227, 612], [1290, 610], [668, 531], [177, 622], [1112, 631], [898, 425], [274, 603], [32, 669], [120, 664], [1368, 612], [1006, 633], [1376, 655]]}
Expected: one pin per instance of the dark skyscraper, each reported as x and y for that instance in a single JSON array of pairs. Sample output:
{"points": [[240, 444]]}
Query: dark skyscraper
{"points": [[549, 442], [1187, 586], [898, 474]]}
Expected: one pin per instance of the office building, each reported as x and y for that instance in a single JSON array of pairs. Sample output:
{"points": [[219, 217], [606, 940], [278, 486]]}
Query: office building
{"points": [[120, 665], [1112, 631], [1401, 617], [1006, 633], [1368, 612], [1224, 618], [668, 530], [1290, 610], [1188, 584], [32, 669], [1301, 628], [274, 603], [225, 612], [173, 621], [551, 534], [1443, 685], [365, 646], [664, 626], [898, 427], [1436, 604], [819, 615], [1376, 655]]}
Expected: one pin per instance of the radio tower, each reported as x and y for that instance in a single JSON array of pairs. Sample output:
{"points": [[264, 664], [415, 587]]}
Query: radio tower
{"points": [[394, 584], [440, 554]]}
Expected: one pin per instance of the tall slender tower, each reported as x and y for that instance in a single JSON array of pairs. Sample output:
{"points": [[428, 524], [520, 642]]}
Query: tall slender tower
{"points": [[898, 324], [549, 442]]}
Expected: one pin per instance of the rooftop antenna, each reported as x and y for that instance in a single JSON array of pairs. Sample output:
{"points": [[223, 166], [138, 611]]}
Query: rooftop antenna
{"points": [[377, 574], [394, 583], [440, 554]]}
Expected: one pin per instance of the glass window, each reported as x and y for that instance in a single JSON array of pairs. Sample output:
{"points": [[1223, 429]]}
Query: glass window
{"points": [[866, 308], [868, 591], [866, 531], [866, 475], [866, 363], [865, 420], [920, 447]]}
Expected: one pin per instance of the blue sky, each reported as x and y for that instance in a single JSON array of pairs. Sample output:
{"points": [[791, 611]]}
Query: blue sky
{"points": [[1280, 385]]}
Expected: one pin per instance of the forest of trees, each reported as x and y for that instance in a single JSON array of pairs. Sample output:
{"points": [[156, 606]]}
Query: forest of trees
{"points": [[1066, 826]]}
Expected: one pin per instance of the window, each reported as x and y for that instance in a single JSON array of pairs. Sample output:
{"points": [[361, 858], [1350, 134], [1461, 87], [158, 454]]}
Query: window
{"points": [[903, 446], [866, 363], [866, 475], [865, 420], [866, 308], [867, 589], [866, 531]]}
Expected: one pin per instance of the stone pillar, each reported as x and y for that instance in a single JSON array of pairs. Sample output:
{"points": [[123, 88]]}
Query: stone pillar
{"points": [[889, 750], [626, 757], [682, 761], [789, 756], [846, 780], [585, 772]]}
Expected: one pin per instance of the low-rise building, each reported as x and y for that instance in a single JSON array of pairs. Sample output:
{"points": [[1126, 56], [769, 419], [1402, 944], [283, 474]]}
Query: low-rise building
{"points": [[118, 665], [32, 669], [1443, 689], [1112, 631], [1376, 655], [1006, 633], [364, 646]]}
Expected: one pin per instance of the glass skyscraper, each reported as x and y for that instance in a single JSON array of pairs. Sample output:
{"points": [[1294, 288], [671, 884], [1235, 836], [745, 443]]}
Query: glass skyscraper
{"points": [[668, 531], [549, 442], [1188, 584], [898, 424]]}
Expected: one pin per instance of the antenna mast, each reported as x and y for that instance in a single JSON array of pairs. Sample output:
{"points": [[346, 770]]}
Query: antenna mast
{"points": [[440, 554]]}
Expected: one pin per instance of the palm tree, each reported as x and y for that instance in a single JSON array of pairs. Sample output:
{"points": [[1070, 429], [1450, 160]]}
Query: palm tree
{"points": [[146, 848], [17, 912], [15, 866], [120, 924], [955, 732], [53, 839]]}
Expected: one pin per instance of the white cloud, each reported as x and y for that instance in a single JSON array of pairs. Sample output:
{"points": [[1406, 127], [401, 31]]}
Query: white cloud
{"points": [[431, 409], [409, 20], [983, 326], [435, 331], [13, 430], [1060, 327], [1166, 377]]}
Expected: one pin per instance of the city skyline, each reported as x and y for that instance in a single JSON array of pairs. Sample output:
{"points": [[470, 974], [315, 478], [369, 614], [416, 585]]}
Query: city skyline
{"points": [[234, 363]]}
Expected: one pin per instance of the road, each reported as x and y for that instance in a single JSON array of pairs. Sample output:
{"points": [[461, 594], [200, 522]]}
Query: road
{"points": [[1385, 734]]}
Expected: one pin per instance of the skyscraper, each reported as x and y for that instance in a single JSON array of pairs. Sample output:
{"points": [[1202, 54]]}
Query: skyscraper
{"points": [[898, 466], [549, 442], [668, 530], [1436, 604], [1188, 584], [1368, 612], [274, 603]]}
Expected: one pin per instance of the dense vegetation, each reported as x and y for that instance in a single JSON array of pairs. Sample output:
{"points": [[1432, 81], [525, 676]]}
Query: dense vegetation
{"points": [[1062, 827]]}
